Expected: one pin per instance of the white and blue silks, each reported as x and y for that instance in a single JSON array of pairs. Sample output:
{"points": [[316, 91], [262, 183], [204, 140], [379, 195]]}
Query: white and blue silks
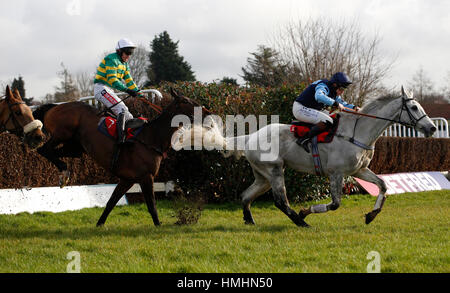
{"points": [[322, 93], [309, 105]]}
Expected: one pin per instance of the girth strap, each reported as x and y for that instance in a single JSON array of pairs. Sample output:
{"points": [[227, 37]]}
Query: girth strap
{"points": [[316, 157], [355, 142]]}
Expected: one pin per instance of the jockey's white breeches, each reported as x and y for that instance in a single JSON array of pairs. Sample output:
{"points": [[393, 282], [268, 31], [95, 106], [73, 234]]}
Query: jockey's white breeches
{"points": [[107, 97], [309, 115]]}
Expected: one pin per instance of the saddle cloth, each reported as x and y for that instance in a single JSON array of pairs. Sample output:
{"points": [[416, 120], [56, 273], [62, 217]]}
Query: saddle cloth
{"points": [[108, 126], [301, 128]]}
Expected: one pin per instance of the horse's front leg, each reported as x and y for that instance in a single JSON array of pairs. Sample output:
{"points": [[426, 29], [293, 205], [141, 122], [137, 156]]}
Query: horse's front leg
{"points": [[368, 175], [336, 182], [49, 151], [117, 194], [150, 200]]}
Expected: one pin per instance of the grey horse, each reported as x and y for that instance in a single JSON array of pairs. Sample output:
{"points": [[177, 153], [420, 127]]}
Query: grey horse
{"points": [[349, 154]]}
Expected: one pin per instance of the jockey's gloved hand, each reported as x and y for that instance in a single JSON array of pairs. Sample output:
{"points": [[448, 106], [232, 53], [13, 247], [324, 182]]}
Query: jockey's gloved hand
{"points": [[132, 93], [337, 106], [140, 94], [356, 109]]}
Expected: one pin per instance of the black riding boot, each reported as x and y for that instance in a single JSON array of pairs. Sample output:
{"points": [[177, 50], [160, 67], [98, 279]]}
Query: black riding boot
{"points": [[121, 136], [306, 139], [135, 123], [121, 132]]}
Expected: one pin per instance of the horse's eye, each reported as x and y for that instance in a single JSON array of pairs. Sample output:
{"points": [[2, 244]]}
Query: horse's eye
{"points": [[18, 113], [414, 108]]}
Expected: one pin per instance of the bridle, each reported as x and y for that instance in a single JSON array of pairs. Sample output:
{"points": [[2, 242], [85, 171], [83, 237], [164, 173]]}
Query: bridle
{"points": [[413, 122], [411, 116], [18, 129]]}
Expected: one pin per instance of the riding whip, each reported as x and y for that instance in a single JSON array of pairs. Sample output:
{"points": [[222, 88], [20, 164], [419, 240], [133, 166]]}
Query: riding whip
{"points": [[109, 108]]}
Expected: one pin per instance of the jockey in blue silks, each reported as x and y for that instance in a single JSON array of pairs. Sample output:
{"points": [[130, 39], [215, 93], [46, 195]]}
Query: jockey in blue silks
{"points": [[321, 94]]}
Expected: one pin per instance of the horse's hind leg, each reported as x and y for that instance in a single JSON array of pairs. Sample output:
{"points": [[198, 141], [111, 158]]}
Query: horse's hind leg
{"points": [[368, 175], [118, 192], [259, 187], [336, 182], [150, 200], [279, 194]]}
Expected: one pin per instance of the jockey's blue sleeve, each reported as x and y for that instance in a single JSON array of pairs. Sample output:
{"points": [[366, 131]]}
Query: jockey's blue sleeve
{"points": [[344, 103], [321, 95]]}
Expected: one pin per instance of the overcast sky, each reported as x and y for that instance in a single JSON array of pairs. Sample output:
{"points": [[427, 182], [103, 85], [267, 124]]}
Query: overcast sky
{"points": [[215, 36]]}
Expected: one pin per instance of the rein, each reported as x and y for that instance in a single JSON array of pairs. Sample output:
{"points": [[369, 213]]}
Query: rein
{"points": [[404, 107], [157, 108]]}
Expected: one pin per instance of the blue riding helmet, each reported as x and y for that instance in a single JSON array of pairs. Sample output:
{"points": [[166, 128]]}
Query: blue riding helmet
{"points": [[341, 79]]}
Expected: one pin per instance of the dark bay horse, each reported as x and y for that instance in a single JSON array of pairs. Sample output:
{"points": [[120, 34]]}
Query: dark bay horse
{"points": [[16, 117], [74, 125]]}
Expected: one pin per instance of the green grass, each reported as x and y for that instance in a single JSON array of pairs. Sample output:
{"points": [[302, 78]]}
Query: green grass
{"points": [[411, 235]]}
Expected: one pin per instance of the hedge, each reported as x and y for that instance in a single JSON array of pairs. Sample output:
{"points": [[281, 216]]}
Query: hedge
{"points": [[207, 173], [397, 154]]}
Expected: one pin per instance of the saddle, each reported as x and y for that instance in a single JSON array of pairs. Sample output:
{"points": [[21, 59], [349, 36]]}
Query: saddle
{"points": [[299, 129], [108, 127]]}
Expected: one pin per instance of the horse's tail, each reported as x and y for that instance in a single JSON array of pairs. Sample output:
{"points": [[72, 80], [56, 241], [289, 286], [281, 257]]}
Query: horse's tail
{"points": [[235, 146], [40, 112]]}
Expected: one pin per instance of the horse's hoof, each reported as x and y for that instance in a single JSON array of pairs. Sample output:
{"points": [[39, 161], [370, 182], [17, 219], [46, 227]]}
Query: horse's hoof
{"points": [[100, 225], [64, 179], [62, 182], [303, 224], [371, 216], [249, 222], [248, 218]]}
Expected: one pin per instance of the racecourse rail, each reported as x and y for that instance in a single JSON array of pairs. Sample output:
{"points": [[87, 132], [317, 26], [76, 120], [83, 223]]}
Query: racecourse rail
{"points": [[397, 130]]}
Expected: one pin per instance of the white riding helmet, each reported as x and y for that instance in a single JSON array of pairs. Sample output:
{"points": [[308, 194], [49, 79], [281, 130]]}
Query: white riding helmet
{"points": [[125, 43]]}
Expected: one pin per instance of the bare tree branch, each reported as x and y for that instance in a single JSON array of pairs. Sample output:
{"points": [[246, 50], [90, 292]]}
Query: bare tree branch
{"points": [[85, 83], [138, 63], [317, 48]]}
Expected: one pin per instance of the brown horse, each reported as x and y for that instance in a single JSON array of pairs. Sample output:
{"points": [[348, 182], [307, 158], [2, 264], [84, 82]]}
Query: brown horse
{"points": [[16, 117], [74, 125]]}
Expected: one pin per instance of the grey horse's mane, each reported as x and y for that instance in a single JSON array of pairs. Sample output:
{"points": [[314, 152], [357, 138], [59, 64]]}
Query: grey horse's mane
{"points": [[377, 103]]}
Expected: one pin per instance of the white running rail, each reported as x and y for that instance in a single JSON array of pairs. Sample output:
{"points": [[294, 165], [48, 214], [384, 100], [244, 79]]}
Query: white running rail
{"points": [[397, 130], [91, 100]]}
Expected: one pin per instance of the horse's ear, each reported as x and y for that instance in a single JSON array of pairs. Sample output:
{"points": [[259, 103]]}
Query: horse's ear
{"points": [[17, 94], [174, 93], [411, 95], [8, 94], [403, 92]]}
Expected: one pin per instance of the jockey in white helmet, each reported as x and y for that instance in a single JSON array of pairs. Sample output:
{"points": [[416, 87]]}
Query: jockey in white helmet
{"points": [[114, 73]]}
